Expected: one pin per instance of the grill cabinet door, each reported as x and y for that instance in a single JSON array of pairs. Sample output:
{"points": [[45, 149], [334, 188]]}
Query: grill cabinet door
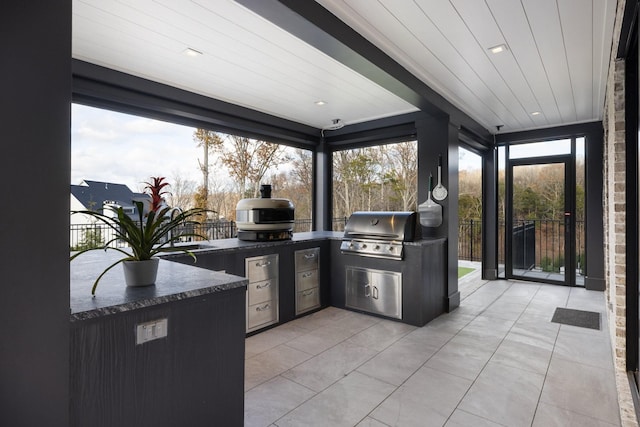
{"points": [[358, 288], [374, 291], [386, 293]]}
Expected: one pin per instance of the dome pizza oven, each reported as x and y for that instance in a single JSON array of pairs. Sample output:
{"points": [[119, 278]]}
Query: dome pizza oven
{"points": [[264, 218]]}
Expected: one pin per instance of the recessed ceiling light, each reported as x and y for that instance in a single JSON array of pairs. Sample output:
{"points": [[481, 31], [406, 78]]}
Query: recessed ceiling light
{"points": [[536, 113], [499, 48], [191, 52], [320, 103]]}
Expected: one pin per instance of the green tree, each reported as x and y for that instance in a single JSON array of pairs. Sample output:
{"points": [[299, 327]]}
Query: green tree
{"points": [[92, 238]]}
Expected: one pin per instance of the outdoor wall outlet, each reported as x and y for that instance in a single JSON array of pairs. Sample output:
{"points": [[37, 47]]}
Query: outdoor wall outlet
{"points": [[150, 331]]}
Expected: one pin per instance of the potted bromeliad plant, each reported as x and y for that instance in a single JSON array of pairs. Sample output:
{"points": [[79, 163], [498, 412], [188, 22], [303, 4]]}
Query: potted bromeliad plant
{"points": [[149, 235]]}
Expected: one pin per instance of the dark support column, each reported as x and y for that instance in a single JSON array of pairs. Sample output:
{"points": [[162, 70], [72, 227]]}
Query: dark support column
{"points": [[35, 106], [594, 279], [490, 215], [322, 198], [437, 136]]}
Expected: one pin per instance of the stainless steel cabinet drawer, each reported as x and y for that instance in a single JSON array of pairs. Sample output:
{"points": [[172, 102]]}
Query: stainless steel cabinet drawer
{"points": [[307, 279], [307, 300], [262, 291], [307, 259], [262, 268], [263, 314]]}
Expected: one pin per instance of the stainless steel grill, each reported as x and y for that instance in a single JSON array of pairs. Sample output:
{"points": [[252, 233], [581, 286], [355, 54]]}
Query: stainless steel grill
{"points": [[379, 234]]}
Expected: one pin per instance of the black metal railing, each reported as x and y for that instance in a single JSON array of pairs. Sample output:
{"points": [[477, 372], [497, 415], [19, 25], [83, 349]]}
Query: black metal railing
{"points": [[96, 235], [537, 243], [544, 237]]}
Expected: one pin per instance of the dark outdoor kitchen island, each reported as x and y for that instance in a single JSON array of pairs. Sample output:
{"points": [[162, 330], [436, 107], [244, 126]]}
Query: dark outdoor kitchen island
{"points": [[194, 376], [232, 255], [423, 273], [423, 270]]}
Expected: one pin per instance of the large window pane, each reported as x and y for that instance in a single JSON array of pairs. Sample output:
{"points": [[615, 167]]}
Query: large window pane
{"points": [[539, 149], [203, 168], [382, 177]]}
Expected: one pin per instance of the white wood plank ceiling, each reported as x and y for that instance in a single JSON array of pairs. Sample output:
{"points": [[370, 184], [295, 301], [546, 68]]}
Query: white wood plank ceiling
{"points": [[555, 63]]}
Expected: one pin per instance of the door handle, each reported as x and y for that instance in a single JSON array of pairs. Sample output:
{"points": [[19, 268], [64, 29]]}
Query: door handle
{"points": [[367, 288], [375, 292]]}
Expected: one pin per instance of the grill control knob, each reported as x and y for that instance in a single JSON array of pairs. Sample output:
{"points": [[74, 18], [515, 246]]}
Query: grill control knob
{"points": [[390, 248], [364, 246], [376, 248]]}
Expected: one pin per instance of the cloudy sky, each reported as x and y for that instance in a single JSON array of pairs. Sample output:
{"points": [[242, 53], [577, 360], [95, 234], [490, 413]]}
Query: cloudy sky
{"points": [[123, 149]]}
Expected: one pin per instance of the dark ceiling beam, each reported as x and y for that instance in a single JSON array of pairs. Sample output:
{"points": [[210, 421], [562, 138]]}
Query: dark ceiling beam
{"points": [[551, 133], [315, 25], [106, 88]]}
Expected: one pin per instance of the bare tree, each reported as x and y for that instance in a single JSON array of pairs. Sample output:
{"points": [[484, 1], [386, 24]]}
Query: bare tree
{"points": [[401, 173], [182, 191], [248, 160], [208, 140]]}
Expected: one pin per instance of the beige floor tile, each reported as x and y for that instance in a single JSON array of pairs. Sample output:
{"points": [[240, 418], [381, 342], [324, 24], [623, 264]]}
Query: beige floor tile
{"points": [[264, 341], [320, 339], [593, 350], [450, 322], [481, 365], [504, 395], [433, 336], [551, 416], [325, 369], [521, 355], [535, 330], [345, 403], [356, 322], [505, 310], [382, 335], [461, 357], [320, 318], [400, 360], [428, 398], [464, 419], [271, 363], [485, 326], [582, 389], [370, 422], [271, 400]]}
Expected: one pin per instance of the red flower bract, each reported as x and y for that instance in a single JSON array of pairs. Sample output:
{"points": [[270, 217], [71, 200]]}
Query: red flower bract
{"points": [[156, 192]]}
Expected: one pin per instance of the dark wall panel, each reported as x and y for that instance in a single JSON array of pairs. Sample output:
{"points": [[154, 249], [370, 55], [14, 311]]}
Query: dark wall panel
{"points": [[35, 81], [193, 377]]}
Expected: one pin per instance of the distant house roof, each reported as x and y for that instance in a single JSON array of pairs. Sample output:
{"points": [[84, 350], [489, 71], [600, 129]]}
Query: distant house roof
{"points": [[93, 194]]}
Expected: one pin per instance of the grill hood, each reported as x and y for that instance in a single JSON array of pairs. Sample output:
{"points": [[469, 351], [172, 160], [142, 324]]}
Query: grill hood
{"points": [[382, 225]]}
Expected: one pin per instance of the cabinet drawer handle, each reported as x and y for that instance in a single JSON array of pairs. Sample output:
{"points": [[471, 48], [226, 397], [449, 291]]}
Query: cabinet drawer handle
{"points": [[263, 308], [305, 275], [307, 293], [309, 256], [263, 264], [266, 285]]}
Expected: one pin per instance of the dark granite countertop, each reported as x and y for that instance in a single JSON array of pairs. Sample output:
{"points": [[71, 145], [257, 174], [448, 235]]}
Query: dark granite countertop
{"points": [[231, 245], [175, 282]]}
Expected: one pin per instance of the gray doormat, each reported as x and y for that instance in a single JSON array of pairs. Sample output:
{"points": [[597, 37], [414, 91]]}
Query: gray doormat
{"points": [[583, 319]]}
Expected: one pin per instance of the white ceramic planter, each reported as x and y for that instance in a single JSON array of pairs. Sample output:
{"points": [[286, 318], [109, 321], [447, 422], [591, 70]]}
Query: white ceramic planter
{"points": [[140, 273]]}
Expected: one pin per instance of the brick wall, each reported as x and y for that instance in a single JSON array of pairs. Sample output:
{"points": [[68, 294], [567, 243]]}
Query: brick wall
{"points": [[614, 221]]}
